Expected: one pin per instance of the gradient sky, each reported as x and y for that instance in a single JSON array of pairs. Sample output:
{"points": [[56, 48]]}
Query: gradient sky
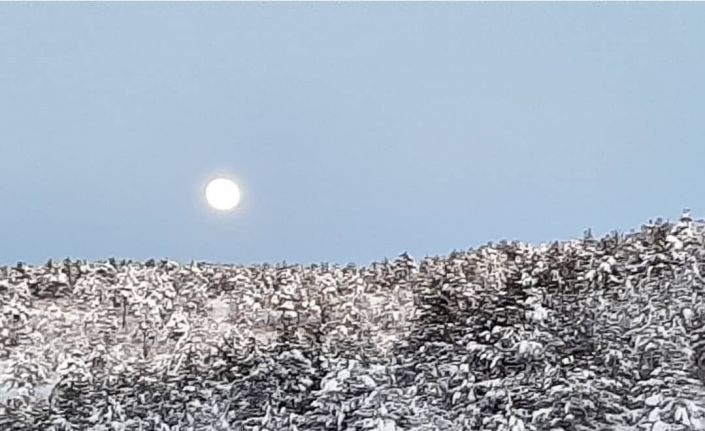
{"points": [[356, 131]]}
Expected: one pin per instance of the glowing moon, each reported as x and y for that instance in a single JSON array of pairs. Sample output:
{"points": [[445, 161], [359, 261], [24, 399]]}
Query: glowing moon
{"points": [[222, 194]]}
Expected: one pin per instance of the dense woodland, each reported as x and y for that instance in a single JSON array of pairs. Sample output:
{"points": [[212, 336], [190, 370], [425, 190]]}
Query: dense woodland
{"points": [[590, 334]]}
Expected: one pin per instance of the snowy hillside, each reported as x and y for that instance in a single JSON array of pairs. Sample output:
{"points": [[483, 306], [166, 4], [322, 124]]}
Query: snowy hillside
{"points": [[594, 334]]}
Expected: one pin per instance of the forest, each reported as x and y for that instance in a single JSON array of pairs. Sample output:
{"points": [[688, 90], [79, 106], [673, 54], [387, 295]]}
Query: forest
{"points": [[589, 334]]}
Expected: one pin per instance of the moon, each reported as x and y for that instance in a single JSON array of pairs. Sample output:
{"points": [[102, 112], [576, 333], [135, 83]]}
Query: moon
{"points": [[222, 194]]}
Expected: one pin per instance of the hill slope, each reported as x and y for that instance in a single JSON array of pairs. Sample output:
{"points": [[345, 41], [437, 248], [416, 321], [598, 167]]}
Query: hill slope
{"points": [[579, 335]]}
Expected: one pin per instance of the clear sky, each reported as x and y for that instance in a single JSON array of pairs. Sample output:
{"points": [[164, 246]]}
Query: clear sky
{"points": [[356, 131]]}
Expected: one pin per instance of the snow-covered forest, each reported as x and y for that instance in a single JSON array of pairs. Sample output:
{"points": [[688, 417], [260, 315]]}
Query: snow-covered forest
{"points": [[590, 334]]}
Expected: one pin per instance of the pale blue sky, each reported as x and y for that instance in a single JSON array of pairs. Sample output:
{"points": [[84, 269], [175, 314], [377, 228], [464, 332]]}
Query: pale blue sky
{"points": [[356, 131]]}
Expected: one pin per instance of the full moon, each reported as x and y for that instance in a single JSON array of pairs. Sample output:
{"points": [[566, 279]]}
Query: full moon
{"points": [[222, 194]]}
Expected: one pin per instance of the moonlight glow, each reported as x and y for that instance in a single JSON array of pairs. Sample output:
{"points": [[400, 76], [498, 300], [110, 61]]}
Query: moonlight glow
{"points": [[222, 194]]}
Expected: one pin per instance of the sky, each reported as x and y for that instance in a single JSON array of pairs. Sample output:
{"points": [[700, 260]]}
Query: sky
{"points": [[356, 131]]}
